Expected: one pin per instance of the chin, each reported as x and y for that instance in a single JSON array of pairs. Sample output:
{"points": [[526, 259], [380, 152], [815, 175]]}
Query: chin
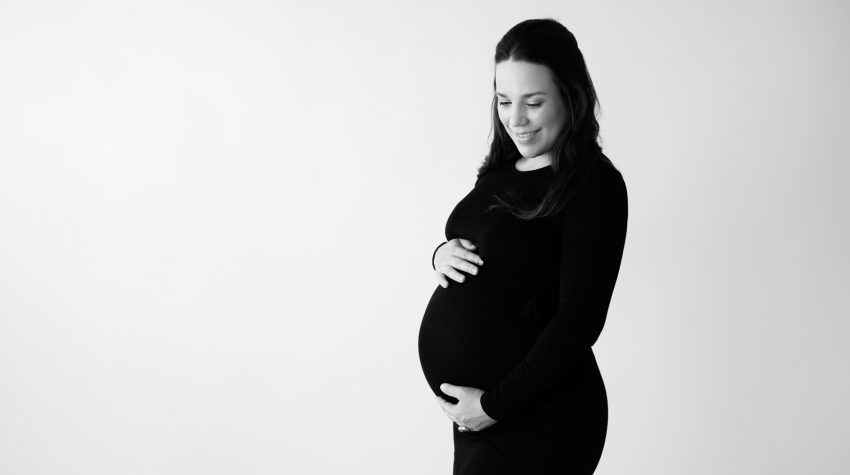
{"points": [[527, 152]]}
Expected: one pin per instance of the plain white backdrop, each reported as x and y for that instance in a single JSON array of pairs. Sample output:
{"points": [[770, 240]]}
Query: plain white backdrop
{"points": [[217, 219]]}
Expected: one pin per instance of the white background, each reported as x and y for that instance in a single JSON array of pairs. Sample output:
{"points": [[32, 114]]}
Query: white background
{"points": [[217, 219]]}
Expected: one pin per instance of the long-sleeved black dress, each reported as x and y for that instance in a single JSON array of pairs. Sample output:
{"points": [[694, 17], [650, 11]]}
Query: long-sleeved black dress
{"points": [[522, 328]]}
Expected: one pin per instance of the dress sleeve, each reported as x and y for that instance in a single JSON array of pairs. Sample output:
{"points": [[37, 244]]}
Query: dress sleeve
{"points": [[594, 232], [435, 254]]}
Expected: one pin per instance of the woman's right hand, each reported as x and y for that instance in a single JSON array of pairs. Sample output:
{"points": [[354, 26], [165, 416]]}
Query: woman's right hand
{"points": [[455, 255]]}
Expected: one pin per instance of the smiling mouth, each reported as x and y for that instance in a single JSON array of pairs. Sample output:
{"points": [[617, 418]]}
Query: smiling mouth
{"points": [[526, 135]]}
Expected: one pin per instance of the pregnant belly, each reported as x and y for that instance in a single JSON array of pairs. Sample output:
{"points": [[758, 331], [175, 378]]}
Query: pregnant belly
{"points": [[474, 333]]}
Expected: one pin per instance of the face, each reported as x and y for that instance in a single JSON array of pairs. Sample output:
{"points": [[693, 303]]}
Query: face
{"points": [[529, 101]]}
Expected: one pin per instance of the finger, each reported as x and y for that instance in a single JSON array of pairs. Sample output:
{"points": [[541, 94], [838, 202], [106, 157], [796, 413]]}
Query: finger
{"points": [[451, 390], [441, 279], [446, 406], [449, 270], [463, 264], [472, 257], [466, 243], [453, 274]]}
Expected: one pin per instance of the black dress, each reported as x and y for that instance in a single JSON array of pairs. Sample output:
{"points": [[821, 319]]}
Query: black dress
{"points": [[523, 327]]}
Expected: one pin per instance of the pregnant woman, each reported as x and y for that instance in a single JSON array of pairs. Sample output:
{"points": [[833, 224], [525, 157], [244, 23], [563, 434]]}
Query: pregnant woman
{"points": [[533, 254]]}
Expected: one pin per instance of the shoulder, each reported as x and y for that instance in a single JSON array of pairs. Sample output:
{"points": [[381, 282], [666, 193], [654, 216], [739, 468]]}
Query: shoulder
{"points": [[604, 181], [484, 171], [597, 215], [602, 195]]}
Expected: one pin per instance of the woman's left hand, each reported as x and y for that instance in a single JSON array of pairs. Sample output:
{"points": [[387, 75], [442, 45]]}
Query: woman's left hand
{"points": [[467, 412]]}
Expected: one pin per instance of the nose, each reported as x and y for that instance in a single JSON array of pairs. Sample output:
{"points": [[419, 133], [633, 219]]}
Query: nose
{"points": [[517, 118]]}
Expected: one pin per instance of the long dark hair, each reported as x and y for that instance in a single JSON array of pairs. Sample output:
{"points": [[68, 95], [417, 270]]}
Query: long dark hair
{"points": [[549, 43]]}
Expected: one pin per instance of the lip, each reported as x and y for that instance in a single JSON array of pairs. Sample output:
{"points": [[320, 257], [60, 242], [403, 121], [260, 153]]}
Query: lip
{"points": [[519, 136]]}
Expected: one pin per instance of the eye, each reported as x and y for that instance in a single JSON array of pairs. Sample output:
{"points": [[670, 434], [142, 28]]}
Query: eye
{"points": [[532, 105]]}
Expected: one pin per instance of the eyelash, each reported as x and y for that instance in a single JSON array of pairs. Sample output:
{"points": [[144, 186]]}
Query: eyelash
{"points": [[533, 106]]}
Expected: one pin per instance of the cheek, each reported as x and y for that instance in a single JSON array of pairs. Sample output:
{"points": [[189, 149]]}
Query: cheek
{"points": [[547, 119], [553, 124]]}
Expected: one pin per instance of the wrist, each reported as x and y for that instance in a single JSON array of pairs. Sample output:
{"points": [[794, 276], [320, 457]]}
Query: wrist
{"points": [[484, 402], [435, 254]]}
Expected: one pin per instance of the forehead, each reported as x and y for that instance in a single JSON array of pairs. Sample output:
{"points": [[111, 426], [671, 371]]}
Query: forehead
{"points": [[520, 77]]}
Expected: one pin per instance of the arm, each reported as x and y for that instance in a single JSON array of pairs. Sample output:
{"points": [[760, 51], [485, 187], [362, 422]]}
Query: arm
{"points": [[477, 179], [594, 231]]}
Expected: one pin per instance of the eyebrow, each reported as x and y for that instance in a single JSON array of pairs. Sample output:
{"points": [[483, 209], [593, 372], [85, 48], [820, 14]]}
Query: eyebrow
{"points": [[538, 93]]}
